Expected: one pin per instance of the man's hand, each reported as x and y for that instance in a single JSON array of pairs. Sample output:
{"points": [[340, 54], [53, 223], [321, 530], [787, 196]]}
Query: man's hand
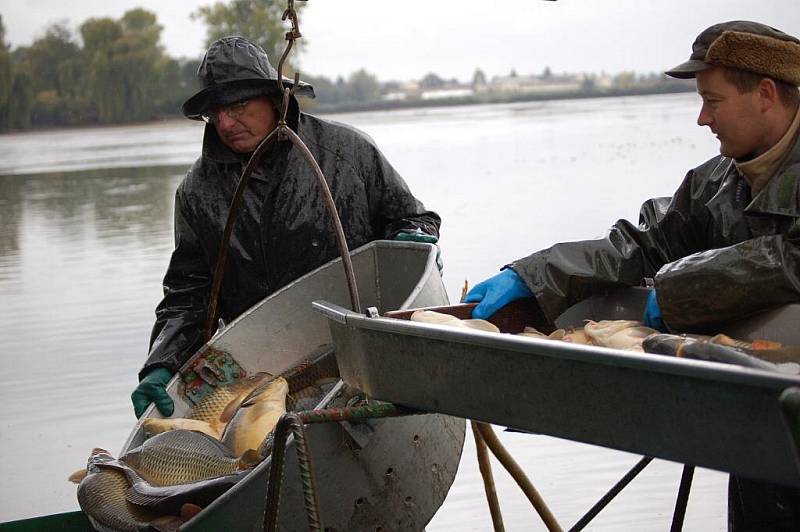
{"points": [[419, 236], [496, 292], [153, 389], [652, 314]]}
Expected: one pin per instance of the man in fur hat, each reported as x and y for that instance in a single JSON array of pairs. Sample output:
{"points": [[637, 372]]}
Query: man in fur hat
{"points": [[283, 229], [725, 246]]}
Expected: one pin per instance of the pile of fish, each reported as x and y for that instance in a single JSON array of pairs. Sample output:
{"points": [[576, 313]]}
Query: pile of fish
{"points": [[186, 462], [629, 335]]}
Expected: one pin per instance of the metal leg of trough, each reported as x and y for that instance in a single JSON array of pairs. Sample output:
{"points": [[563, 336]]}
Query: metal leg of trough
{"points": [[613, 492], [488, 479], [683, 498], [296, 422], [790, 408]]}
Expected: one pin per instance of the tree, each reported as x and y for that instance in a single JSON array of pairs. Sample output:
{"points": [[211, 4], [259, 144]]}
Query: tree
{"points": [[431, 81], [257, 20], [363, 87], [478, 78], [6, 73]]}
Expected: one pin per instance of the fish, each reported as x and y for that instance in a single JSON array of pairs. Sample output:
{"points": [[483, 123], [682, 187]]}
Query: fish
{"points": [[439, 318], [618, 334], [183, 456], [213, 412], [102, 497], [256, 417]]}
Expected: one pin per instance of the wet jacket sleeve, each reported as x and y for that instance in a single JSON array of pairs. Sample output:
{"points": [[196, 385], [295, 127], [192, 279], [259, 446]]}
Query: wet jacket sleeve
{"points": [[570, 272], [181, 314], [393, 207], [729, 283]]}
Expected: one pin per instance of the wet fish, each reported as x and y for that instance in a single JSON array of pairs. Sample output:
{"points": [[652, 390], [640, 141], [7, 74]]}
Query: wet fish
{"points": [[618, 334], [182, 456], [220, 405], [256, 417], [213, 412], [439, 318], [102, 497]]}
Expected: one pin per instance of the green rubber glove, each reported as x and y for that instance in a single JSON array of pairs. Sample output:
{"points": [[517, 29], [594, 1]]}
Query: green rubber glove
{"points": [[153, 389], [419, 236]]}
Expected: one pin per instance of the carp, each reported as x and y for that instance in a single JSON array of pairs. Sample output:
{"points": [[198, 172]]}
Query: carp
{"points": [[102, 497], [439, 318], [213, 412], [256, 417], [618, 334]]}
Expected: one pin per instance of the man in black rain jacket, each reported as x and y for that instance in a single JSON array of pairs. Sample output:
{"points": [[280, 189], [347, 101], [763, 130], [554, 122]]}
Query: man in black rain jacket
{"points": [[283, 229], [725, 246]]}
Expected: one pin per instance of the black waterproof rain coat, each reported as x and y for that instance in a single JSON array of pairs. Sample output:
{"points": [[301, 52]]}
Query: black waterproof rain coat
{"points": [[283, 229], [716, 253]]}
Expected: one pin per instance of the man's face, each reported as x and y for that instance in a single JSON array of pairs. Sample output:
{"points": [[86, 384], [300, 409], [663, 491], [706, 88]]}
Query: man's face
{"points": [[736, 119], [248, 126]]}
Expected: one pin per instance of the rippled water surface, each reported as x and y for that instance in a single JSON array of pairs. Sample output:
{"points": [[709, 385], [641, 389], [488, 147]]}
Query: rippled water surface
{"points": [[86, 233]]}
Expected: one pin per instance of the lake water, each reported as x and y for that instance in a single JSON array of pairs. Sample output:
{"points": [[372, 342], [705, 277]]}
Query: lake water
{"points": [[86, 233]]}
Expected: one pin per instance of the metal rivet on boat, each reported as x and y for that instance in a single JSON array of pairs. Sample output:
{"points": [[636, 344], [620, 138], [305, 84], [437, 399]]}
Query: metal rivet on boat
{"points": [[359, 501], [409, 499], [315, 243], [416, 438], [389, 472], [435, 468]]}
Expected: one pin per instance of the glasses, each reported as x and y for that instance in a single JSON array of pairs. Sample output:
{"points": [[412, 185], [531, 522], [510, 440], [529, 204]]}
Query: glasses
{"points": [[233, 110]]}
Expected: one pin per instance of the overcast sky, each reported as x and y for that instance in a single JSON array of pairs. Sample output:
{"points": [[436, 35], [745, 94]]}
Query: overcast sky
{"points": [[405, 39]]}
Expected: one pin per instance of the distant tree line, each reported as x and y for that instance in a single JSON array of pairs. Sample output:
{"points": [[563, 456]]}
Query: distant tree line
{"points": [[115, 70], [112, 71]]}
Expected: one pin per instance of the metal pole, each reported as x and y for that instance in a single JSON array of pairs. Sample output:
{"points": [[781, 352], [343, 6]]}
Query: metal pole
{"points": [[518, 475], [613, 492], [488, 480], [683, 498]]}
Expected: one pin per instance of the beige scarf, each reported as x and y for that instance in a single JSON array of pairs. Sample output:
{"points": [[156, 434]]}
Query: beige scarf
{"points": [[758, 171]]}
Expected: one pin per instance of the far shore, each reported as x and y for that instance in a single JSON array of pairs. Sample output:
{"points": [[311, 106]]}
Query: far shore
{"points": [[359, 107]]}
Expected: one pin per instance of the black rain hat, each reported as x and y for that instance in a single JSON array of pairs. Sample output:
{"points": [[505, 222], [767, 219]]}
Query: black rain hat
{"points": [[744, 45], [235, 69]]}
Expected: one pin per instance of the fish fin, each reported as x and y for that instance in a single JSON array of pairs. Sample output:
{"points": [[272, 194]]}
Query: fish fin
{"points": [[250, 459], [765, 345], [77, 476], [230, 409], [189, 510]]}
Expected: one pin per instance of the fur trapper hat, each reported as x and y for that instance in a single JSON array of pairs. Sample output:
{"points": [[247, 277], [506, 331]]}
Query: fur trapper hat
{"points": [[747, 46]]}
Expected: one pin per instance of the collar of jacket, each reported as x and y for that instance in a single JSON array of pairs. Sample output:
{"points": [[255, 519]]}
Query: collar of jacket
{"points": [[758, 171], [780, 195], [215, 150]]}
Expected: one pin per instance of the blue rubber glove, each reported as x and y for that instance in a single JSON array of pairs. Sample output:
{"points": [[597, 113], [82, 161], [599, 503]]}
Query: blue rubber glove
{"points": [[496, 292], [652, 313], [419, 236], [153, 389]]}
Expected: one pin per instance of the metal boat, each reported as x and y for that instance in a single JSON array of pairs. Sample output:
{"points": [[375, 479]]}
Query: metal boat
{"points": [[381, 474], [729, 418]]}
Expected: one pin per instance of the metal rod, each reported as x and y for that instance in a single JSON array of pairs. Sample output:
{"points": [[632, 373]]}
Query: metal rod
{"points": [[233, 214], [291, 421], [683, 498], [518, 475], [341, 241], [613, 492], [488, 480]]}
